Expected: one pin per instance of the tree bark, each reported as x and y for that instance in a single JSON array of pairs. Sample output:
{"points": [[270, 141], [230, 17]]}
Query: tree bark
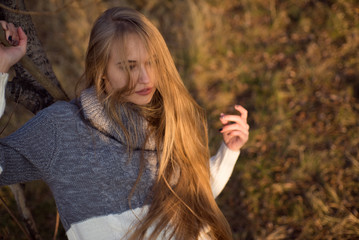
{"points": [[24, 88]]}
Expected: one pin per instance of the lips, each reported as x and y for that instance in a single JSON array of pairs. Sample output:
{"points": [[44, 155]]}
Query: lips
{"points": [[144, 91]]}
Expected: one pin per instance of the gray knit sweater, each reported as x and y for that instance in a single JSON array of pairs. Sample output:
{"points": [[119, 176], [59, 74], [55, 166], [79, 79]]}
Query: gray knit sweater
{"points": [[76, 150]]}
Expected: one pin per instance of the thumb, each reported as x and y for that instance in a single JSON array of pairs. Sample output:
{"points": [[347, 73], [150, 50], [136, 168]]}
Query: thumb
{"points": [[221, 118], [22, 39]]}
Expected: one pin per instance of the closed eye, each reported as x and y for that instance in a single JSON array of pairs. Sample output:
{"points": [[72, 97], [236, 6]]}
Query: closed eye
{"points": [[132, 66]]}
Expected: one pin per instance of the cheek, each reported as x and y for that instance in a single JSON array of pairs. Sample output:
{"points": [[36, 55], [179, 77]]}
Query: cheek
{"points": [[117, 79]]}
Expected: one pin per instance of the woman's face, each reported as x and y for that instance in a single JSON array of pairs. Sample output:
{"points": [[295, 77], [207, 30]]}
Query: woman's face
{"points": [[140, 70]]}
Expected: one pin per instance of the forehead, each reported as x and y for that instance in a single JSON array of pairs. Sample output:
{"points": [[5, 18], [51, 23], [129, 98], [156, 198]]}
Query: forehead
{"points": [[132, 47]]}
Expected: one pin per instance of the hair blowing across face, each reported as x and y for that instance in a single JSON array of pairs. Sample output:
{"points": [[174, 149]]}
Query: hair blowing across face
{"points": [[186, 208]]}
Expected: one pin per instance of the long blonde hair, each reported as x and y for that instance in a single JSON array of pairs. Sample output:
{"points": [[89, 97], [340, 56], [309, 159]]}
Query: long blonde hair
{"points": [[185, 207]]}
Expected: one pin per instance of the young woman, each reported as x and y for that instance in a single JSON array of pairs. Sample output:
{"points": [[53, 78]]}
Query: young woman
{"points": [[128, 158]]}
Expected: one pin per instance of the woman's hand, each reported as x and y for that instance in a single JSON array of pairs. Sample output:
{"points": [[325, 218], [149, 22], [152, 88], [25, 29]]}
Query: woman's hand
{"points": [[18, 41], [235, 129]]}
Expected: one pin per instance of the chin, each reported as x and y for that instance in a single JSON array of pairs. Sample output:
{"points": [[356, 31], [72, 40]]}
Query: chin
{"points": [[142, 102]]}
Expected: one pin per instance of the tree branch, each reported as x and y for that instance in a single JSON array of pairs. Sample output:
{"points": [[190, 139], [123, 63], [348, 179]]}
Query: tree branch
{"points": [[26, 214], [15, 219], [26, 62]]}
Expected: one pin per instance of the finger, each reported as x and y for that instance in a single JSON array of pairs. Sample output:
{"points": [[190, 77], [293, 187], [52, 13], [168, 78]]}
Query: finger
{"points": [[233, 127], [222, 119], [4, 25], [242, 110], [225, 119], [241, 124], [22, 38], [13, 37]]}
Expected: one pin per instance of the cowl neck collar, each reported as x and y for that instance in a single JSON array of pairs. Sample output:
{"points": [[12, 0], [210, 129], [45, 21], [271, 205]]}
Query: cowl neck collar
{"points": [[95, 112]]}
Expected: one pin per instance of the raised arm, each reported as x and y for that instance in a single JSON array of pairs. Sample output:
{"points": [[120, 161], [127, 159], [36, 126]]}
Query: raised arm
{"points": [[17, 149], [10, 55], [235, 132]]}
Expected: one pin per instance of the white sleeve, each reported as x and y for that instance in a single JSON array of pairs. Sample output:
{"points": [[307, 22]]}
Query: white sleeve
{"points": [[221, 166], [3, 80]]}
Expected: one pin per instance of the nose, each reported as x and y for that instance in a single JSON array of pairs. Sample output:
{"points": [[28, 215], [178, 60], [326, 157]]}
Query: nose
{"points": [[144, 76]]}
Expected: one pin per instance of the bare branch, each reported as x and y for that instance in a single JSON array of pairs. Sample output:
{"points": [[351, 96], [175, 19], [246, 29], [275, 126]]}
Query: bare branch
{"points": [[26, 214], [15, 219]]}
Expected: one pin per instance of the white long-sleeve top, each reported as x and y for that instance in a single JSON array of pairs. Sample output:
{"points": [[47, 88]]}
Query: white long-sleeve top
{"points": [[3, 81]]}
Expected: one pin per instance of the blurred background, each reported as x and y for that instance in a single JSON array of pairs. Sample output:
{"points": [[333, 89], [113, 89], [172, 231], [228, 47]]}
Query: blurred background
{"points": [[293, 64]]}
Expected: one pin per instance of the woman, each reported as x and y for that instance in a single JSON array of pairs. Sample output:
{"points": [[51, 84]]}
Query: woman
{"points": [[129, 158]]}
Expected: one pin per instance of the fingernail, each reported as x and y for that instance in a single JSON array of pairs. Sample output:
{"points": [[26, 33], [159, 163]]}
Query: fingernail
{"points": [[219, 130], [236, 106], [221, 115], [10, 38]]}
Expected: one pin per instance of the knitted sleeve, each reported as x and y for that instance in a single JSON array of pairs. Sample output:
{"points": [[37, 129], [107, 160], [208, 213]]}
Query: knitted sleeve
{"points": [[3, 81], [27, 154], [221, 166]]}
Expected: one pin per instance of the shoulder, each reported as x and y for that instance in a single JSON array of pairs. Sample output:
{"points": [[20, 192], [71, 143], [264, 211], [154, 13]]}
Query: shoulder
{"points": [[47, 122], [61, 110], [60, 113]]}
